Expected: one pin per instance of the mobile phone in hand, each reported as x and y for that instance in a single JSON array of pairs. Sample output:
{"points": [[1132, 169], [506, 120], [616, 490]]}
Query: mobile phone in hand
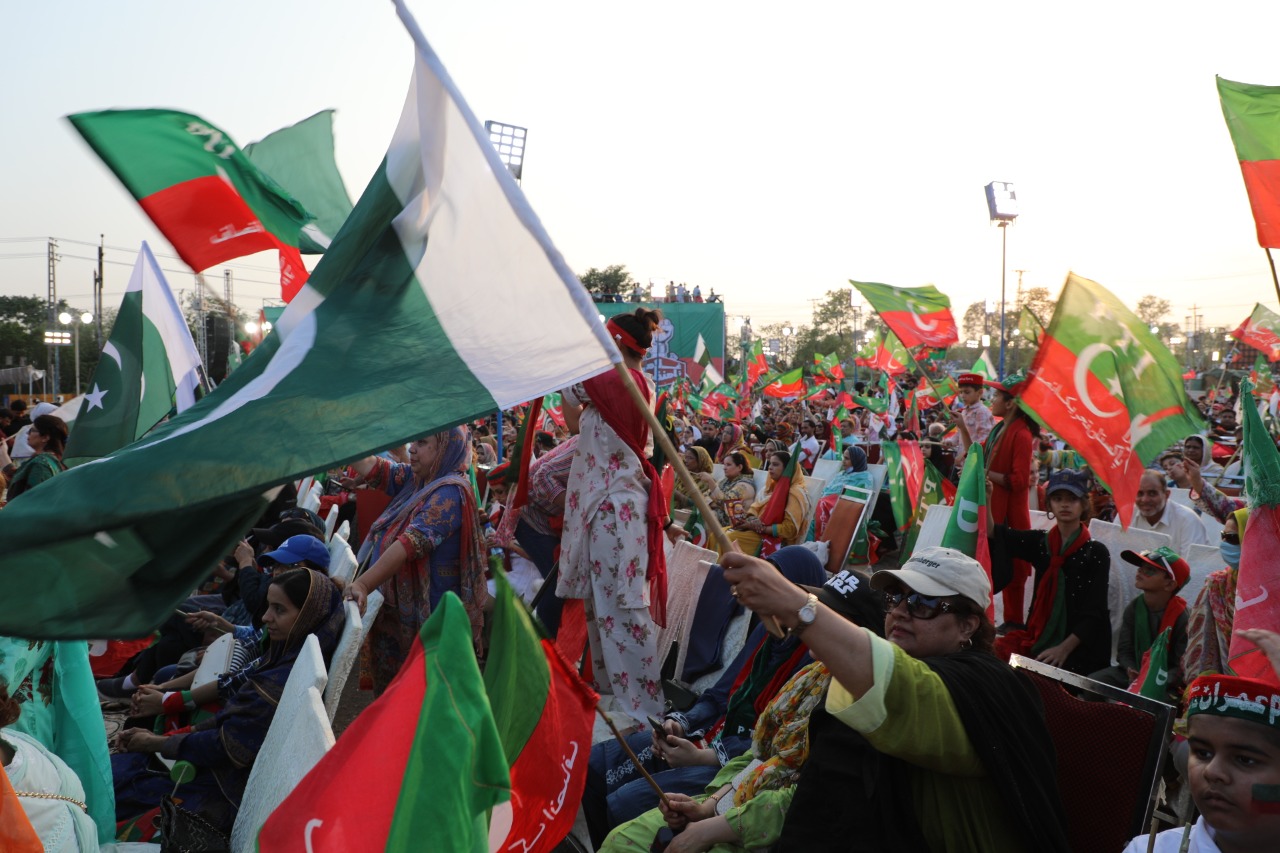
{"points": [[656, 725]]}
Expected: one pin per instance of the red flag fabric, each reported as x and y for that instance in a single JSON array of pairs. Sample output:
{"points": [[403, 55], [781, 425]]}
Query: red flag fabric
{"points": [[776, 508], [1260, 330]]}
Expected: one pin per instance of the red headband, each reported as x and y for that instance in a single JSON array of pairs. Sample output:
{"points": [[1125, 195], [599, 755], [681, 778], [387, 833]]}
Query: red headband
{"points": [[623, 337]]}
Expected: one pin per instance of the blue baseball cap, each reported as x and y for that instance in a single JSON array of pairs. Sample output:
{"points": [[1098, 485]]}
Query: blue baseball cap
{"points": [[295, 549]]}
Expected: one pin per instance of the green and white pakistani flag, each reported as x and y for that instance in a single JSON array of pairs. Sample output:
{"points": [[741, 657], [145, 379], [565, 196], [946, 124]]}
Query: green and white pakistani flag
{"points": [[702, 355], [440, 299], [149, 367], [984, 368]]}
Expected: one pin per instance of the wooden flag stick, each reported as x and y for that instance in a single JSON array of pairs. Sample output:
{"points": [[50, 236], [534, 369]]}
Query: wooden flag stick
{"points": [[636, 761], [699, 499], [1272, 263]]}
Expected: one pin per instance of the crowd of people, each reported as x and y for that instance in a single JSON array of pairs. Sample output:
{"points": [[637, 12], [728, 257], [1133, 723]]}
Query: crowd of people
{"points": [[872, 708]]}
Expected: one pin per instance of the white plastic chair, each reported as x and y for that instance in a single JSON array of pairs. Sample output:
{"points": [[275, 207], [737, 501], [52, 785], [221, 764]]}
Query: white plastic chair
{"points": [[1120, 590], [344, 659], [311, 500], [344, 530], [342, 560], [304, 488], [299, 737], [330, 522], [825, 469], [371, 608]]}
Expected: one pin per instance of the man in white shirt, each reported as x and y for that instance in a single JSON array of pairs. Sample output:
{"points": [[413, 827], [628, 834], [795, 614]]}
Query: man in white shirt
{"points": [[1156, 512]]}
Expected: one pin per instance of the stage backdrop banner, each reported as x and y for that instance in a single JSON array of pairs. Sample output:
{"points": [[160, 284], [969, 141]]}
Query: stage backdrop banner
{"points": [[674, 351]]}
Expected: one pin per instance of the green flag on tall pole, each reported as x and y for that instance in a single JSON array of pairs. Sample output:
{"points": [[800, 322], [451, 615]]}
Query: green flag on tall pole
{"points": [[984, 368], [149, 367]]}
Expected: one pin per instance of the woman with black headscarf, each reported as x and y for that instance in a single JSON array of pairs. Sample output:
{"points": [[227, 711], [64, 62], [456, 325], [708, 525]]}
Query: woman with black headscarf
{"points": [[223, 748]]}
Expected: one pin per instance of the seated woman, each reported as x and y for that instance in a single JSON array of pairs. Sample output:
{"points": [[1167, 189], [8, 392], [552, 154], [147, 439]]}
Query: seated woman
{"points": [[926, 740], [223, 749], [699, 463], [48, 791], [721, 720], [1070, 626], [47, 437], [758, 535], [853, 472], [731, 497]]}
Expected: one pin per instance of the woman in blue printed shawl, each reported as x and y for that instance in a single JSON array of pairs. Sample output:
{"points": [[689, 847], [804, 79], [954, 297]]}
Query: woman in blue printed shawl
{"points": [[426, 542], [223, 748]]}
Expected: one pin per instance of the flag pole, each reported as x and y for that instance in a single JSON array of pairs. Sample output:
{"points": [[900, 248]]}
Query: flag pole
{"points": [[1225, 362], [673, 457], [657, 789], [1272, 263]]}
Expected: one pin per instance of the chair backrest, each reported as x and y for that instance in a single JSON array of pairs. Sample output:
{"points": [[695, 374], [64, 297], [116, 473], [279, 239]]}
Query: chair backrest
{"points": [[686, 571], [342, 560], [216, 660], [371, 608], [299, 736], [717, 471], [1203, 560], [1120, 589], [331, 522], [825, 469], [344, 659], [813, 491], [934, 526], [1107, 802], [304, 488], [760, 476], [311, 500], [847, 517], [344, 530]]}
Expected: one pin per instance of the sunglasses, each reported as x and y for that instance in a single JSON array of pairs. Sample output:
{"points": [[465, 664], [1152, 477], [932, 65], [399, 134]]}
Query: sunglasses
{"points": [[1231, 538], [921, 606]]}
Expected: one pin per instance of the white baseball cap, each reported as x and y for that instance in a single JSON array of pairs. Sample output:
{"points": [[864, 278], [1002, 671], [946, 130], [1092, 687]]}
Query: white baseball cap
{"points": [[940, 572]]}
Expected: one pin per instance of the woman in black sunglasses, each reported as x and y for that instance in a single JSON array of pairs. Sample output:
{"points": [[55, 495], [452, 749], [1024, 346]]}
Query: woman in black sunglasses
{"points": [[926, 740]]}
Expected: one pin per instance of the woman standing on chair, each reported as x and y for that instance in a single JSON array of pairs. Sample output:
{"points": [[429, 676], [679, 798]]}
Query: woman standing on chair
{"points": [[1070, 626], [615, 513]]}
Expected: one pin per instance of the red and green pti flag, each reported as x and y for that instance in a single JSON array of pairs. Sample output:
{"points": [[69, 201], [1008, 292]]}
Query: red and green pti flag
{"points": [[553, 407], [544, 713], [934, 490], [919, 316], [756, 364], [905, 463], [776, 509], [425, 761], [828, 366], [1260, 376], [967, 527], [1259, 573], [1108, 387], [789, 384], [203, 193], [1261, 330], [1253, 119]]}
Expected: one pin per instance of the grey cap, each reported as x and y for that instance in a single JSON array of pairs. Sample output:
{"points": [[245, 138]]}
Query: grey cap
{"points": [[940, 572]]}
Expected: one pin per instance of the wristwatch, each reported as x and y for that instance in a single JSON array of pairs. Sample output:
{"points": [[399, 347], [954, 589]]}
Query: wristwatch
{"points": [[806, 614]]}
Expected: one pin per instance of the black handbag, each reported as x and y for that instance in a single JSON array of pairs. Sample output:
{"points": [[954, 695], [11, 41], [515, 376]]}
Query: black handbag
{"points": [[183, 831]]}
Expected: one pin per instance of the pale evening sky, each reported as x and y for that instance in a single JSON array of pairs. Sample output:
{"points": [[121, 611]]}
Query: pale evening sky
{"points": [[771, 151]]}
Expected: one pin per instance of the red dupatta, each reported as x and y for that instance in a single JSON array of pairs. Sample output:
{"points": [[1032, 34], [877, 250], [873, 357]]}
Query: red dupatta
{"points": [[1025, 642], [618, 411]]}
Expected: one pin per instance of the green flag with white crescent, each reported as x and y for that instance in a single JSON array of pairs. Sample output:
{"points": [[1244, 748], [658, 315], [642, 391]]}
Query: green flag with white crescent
{"points": [[148, 368], [430, 308]]}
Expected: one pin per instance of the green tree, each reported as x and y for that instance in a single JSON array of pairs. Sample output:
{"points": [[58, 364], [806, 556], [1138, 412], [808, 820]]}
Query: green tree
{"points": [[611, 281]]}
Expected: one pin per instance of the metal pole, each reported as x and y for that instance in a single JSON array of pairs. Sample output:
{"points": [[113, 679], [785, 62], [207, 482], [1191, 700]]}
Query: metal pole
{"points": [[75, 330], [1004, 243], [97, 293]]}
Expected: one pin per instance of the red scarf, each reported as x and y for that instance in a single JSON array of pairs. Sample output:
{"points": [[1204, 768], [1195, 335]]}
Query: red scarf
{"points": [[1021, 642], [617, 409]]}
